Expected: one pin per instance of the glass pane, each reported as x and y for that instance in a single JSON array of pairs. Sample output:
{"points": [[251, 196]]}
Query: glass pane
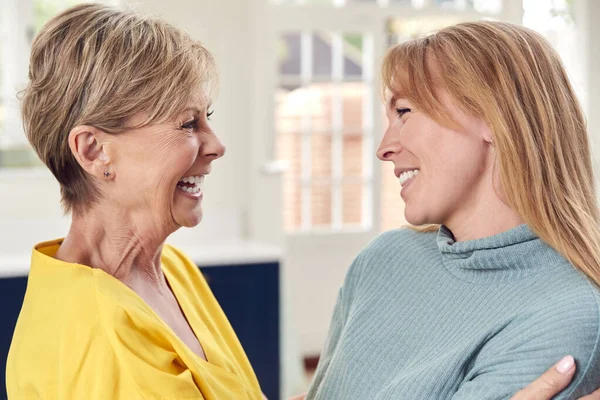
{"points": [[352, 194], [288, 117], [318, 102], [292, 201], [353, 54], [288, 48], [353, 104], [352, 155], [321, 54], [321, 204], [321, 156], [289, 148], [293, 104]]}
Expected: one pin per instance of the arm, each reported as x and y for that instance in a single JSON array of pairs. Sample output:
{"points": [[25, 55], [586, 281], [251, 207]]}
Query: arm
{"points": [[552, 382]]}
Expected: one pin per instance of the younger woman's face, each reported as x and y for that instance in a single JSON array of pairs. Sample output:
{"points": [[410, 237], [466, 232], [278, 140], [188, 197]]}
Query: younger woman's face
{"points": [[442, 171]]}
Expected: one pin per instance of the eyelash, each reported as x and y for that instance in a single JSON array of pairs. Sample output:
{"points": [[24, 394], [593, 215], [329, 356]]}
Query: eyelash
{"points": [[402, 111], [193, 124], [190, 125]]}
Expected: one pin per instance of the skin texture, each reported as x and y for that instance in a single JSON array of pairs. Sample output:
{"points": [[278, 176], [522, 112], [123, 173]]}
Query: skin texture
{"points": [[458, 184], [124, 233]]}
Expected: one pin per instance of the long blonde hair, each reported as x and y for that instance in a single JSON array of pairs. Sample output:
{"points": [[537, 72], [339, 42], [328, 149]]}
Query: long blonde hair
{"points": [[513, 79]]}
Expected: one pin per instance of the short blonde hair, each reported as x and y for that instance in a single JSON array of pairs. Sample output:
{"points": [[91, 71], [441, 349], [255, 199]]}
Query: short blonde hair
{"points": [[99, 66], [512, 78]]}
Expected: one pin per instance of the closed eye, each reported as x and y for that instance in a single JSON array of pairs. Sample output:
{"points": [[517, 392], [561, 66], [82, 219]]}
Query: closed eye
{"points": [[402, 111], [190, 125]]}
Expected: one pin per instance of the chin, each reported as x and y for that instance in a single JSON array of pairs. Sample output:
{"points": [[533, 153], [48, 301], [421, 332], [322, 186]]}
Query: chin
{"points": [[190, 220], [416, 217]]}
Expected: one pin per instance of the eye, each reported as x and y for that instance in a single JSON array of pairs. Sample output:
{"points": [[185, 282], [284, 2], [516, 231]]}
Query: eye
{"points": [[190, 125], [402, 111], [209, 113]]}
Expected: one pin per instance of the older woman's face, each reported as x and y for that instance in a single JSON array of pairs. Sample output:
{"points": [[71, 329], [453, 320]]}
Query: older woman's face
{"points": [[441, 171], [159, 169]]}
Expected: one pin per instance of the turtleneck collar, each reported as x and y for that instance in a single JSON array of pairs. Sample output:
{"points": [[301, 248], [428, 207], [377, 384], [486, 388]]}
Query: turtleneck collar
{"points": [[512, 254]]}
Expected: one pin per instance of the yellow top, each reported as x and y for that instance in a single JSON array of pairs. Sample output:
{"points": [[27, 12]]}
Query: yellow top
{"points": [[83, 334]]}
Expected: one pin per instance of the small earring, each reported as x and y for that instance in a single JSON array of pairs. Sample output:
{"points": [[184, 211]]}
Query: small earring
{"points": [[106, 174]]}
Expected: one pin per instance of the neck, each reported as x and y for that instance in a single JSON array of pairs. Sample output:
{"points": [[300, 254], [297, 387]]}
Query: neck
{"points": [[484, 215], [116, 243]]}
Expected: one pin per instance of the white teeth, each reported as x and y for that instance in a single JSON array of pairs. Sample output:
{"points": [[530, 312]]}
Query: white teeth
{"points": [[196, 180], [408, 175]]}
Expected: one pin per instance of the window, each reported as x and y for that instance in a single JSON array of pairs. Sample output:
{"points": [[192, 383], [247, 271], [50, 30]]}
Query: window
{"points": [[324, 117], [324, 127]]}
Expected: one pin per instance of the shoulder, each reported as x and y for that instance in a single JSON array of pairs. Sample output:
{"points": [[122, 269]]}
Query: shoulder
{"points": [[404, 240], [560, 315], [182, 269], [391, 250]]}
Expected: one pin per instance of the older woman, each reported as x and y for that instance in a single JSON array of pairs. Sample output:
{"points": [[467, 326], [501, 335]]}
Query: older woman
{"points": [[487, 140], [117, 107]]}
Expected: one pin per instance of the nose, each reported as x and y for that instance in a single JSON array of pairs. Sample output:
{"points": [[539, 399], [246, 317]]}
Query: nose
{"points": [[389, 146], [213, 148]]}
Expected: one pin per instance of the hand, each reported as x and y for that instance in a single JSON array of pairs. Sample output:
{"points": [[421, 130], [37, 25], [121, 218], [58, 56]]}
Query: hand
{"points": [[552, 382], [303, 396]]}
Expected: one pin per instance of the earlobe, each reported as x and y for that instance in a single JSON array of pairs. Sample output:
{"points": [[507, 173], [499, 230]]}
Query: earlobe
{"points": [[487, 135], [87, 148]]}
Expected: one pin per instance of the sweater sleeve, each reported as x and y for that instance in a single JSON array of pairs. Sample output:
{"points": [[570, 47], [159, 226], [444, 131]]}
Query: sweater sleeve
{"points": [[515, 357]]}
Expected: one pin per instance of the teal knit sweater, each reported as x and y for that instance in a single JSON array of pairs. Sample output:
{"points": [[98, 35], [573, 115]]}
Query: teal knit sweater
{"points": [[422, 317]]}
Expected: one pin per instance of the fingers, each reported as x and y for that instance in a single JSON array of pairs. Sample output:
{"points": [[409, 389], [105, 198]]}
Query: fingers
{"points": [[303, 396], [550, 383]]}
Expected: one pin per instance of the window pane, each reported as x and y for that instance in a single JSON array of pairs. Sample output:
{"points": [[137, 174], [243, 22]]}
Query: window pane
{"points": [[288, 48], [321, 204], [353, 55], [352, 194], [289, 148], [319, 105], [292, 212], [321, 156], [353, 104], [321, 55], [353, 155]]}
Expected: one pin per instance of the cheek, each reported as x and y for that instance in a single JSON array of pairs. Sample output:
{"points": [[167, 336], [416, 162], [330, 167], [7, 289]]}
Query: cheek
{"points": [[457, 164]]}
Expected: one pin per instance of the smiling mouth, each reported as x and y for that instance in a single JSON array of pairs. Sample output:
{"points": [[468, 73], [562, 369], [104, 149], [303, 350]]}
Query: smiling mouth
{"points": [[407, 176], [191, 184]]}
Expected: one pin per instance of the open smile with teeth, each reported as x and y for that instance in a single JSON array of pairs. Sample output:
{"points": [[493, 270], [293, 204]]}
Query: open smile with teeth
{"points": [[407, 176], [191, 184]]}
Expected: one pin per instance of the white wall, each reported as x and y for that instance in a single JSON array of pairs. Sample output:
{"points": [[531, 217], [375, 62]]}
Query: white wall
{"points": [[223, 27]]}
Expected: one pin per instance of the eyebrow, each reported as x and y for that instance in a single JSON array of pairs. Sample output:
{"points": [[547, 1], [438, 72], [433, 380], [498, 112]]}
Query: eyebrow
{"points": [[392, 102]]}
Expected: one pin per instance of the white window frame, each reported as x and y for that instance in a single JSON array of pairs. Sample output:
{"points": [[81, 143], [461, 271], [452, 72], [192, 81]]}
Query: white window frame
{"points": [[368, 19]]}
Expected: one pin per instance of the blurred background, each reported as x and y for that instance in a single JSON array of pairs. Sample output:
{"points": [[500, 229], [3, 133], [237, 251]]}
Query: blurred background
{"points": [[300, 190]]}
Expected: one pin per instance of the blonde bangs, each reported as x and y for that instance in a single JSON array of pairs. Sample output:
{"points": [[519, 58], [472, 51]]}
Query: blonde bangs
{"points": [[409, 71]]}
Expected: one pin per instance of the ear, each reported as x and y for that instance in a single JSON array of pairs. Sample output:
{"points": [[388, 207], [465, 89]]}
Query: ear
{"points": [[486, 133], [87, 146]]}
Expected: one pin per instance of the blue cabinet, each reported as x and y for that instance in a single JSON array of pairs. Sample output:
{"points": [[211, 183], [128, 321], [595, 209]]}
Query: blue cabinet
{"points": [[12, 291], [249, 295]]}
